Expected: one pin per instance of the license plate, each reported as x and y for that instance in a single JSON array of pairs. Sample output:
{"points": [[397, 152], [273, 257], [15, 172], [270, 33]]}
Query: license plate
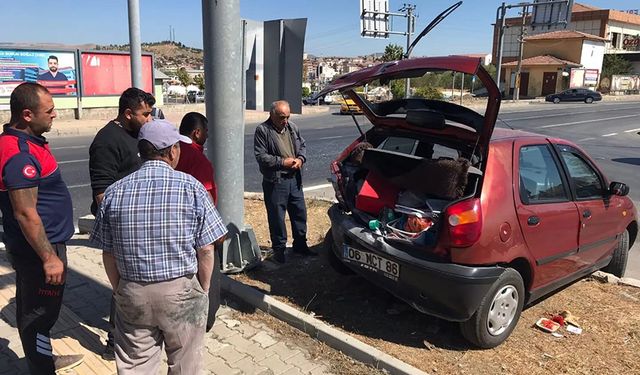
{"points": [[372, 261]]}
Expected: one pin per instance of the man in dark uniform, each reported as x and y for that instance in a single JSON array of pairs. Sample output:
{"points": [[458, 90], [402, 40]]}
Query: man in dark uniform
{"points": [[280, 151], [38, 220], [113, 154]]}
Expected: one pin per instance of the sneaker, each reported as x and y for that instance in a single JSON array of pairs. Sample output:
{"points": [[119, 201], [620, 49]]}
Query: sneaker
{"points": [[109, 354], [66, 362]]}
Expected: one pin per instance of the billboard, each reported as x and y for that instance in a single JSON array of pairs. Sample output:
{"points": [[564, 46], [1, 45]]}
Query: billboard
{"points": [[374, 23], [551, 12], [55, 70], [583, 78], [108, 73], [625, 83]]}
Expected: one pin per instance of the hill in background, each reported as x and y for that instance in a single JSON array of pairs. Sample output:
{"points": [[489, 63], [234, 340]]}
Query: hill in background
{"points": [[168, 55]]}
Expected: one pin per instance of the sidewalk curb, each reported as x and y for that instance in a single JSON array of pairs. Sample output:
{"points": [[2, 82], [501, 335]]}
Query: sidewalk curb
{"points": [[319, 330]]}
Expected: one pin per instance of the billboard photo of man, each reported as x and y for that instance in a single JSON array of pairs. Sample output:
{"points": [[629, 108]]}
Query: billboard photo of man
{"points": [[53, 74]]}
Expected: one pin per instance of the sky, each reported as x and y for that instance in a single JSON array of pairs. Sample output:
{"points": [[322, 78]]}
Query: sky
{"points": [[333, 26]]}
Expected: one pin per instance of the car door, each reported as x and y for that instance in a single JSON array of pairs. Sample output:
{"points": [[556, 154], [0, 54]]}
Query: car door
{"points": [[598, 217], [571, 95], [546, 213]]}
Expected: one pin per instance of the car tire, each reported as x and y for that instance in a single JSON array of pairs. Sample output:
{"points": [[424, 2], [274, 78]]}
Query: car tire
{"points": [[332, 258], [588, 100], [618, 264], [556, 100], [498, 313]]}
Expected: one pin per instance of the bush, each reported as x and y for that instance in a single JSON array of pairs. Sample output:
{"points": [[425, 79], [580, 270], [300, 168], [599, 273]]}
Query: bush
{"points": [[428, 92]]}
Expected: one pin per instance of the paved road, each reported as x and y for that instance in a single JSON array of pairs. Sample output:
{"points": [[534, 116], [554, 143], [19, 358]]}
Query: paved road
{"points": [[607, 130]]}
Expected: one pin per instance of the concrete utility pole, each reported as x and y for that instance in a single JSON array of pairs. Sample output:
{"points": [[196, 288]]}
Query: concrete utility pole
{"points": [[516, 90], [503, 12], [408, 9], [135, 50], [222, 37]]}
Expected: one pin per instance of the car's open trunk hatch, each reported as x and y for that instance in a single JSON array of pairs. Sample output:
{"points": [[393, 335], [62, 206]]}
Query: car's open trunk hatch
{"points": [[398, 188]]}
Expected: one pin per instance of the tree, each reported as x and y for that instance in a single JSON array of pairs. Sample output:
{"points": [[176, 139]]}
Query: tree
{"points": [[615, 64], [428, 92], [397, 89], [198, 80], [183, 77], [392, 52], [305, 91]]}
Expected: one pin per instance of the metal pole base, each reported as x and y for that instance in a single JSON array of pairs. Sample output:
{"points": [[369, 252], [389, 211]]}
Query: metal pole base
{"points": [[240, 251]]}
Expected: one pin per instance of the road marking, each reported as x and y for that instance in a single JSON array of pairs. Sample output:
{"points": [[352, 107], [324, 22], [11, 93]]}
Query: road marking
{"points": [[585, 139], [632, 130], [77, 186], [73, 161], [316, 187], [586, 121], [562, 114], [67, 147], [609, 135], [336, 137]]}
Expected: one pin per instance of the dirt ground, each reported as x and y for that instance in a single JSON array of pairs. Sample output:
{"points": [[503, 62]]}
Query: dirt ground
{"points": [[608, 314]]}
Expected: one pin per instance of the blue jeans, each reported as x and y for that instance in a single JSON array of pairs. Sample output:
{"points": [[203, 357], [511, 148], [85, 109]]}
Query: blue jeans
{"points": [[281, 197]]}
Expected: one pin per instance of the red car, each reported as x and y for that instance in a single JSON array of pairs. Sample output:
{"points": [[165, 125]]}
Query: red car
{"points": [[463, 222]]}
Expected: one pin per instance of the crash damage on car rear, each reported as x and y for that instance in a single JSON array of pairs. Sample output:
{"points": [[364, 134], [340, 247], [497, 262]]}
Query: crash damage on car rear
{"points": [[408, 189]]}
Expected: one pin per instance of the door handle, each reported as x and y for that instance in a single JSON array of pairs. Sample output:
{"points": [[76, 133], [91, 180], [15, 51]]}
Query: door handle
{"points": [[586, 214], [533, 220]]}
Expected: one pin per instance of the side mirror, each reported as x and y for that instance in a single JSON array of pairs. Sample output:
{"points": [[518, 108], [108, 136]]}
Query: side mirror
{"points": [[618, 188]]}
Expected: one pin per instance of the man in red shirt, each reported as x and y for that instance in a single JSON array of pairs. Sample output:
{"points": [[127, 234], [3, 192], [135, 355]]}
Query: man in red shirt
{"points": [[192, 158], [193, 161]]}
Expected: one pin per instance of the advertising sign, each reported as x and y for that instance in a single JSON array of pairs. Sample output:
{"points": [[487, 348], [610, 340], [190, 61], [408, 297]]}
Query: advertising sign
{"points": [[625, 83], [107, 73], [631, 43], [374, 23], [591, 77], [55, 70], [583, 77]]}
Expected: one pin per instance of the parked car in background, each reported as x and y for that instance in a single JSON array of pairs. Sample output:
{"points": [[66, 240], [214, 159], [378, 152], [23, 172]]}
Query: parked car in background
{"points": [[195, 96], [463, 222], [348, 106], [574, 95]]}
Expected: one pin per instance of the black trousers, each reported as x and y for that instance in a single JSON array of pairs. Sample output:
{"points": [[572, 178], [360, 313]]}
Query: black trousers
{"points": [[38, 306], [281, 197], [214, 289]]}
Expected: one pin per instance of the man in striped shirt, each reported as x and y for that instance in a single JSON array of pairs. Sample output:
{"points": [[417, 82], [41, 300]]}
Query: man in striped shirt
{"points": [[157, 228]]}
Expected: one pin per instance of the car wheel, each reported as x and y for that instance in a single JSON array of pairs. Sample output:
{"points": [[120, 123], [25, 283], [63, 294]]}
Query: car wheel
{"points": [[556, 100], [618, 263], [498, 313], [332, 258], [588, 100]]}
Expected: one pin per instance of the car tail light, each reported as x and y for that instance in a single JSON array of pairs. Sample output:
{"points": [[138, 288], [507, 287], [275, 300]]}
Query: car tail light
{"points": [[464, 220]]}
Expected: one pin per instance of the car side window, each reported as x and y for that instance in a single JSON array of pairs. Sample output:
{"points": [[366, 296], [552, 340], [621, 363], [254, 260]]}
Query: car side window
{"points": [[540, 180], [586, 181]]}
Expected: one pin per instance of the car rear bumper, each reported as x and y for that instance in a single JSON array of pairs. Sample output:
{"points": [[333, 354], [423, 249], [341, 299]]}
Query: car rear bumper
{"points": [[449, 291]]}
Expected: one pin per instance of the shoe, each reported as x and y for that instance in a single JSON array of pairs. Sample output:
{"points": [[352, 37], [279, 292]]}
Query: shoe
{"points": [[66, 362], [304, 251], [109, 354], [278, 256]]}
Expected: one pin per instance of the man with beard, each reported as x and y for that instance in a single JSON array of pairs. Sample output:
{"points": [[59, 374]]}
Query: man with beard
{"points": [[37, 217]]}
